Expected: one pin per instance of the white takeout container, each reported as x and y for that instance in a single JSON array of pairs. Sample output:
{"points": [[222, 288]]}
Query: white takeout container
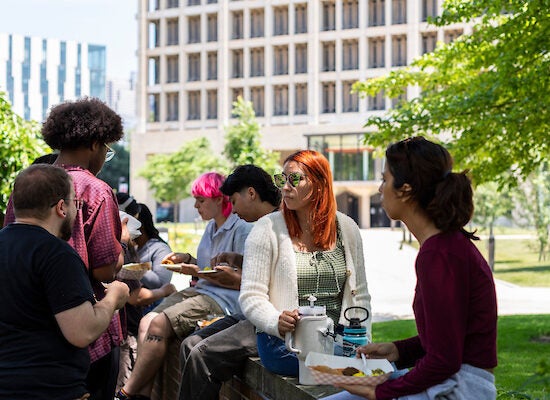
{"points": [[133, 224], [323, 378]]}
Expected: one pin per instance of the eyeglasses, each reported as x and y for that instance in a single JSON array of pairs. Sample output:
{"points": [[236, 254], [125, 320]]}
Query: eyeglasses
{"points": [[77, 202], [293, 179], [110, 153]]}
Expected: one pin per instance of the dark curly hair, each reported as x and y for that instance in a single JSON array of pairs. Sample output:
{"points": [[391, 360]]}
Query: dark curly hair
{"points": [[80, 123], [446, 197]]}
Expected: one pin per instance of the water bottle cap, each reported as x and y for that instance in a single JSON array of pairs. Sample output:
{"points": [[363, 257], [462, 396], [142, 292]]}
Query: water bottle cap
{"points": [[312, 311]]}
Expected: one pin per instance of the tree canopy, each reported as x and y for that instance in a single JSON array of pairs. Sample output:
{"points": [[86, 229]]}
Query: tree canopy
{"points": [[485, 94], [170, 175], [243, 140], [20, 144]]}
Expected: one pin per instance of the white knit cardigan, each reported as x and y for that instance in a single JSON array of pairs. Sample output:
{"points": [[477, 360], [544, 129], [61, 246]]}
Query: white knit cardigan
{"points": [[269, 280]]}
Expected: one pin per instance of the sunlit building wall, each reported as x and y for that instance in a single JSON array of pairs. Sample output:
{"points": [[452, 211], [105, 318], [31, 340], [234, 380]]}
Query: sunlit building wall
{"points": [[295, 60]]}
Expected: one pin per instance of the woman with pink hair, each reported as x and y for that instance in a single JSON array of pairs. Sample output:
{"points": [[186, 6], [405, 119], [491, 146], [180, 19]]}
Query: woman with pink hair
{"points": [[178, 314]]}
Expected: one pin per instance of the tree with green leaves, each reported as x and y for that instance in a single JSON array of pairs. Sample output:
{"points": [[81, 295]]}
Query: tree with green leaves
{"points": [[487, 91], [489, 205], [243, 140], [170, 175], [20, 144], [533, 198]]}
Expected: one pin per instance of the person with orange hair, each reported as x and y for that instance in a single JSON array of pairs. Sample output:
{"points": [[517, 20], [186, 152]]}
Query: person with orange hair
{"points": [[178, 314], [307, 248]]}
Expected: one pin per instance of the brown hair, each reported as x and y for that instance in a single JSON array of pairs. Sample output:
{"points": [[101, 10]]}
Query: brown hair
{"points": [[37, 188], [446, 197], [323, 210]]}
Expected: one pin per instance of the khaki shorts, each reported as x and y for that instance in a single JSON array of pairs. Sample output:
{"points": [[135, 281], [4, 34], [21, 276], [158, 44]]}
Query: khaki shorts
{"points": [[185, 308]]}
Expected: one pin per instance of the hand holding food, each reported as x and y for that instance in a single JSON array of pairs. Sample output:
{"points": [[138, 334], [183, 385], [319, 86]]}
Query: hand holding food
{"points": [[178, 258], [229, 258], [225, 276], [348, 371]]}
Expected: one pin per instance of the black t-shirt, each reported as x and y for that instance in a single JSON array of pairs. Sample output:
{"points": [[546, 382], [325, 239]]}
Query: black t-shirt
{"points": [[40, 276]]}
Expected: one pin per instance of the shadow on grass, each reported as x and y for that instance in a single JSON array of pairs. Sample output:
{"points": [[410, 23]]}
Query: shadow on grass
{"points": [[537, 268]]}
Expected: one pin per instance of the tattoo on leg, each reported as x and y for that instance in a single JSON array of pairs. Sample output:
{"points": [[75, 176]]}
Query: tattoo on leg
{"points": [[153, 338]]}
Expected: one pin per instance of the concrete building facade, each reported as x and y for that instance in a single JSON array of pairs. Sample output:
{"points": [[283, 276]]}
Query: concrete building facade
{"points": [[295, 60], [37, 73]]}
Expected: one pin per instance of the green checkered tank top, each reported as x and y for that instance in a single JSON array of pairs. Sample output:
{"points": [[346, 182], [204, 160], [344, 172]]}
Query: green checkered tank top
{"points": [[323, 274]]}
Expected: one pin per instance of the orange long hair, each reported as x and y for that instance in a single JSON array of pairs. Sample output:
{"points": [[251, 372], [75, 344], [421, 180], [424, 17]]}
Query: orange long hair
{"points": [[323, 207]]}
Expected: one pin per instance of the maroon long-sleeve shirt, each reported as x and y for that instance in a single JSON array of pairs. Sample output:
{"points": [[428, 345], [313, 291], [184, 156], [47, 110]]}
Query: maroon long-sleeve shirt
{"points": [[456, 316]]}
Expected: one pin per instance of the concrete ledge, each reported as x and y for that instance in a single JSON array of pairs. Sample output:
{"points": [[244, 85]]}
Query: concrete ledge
{"points": [[257, 383]]}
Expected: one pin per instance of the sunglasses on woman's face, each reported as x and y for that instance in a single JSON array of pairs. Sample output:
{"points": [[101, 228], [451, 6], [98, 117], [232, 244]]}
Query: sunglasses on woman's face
{"points": [[293, 179]]}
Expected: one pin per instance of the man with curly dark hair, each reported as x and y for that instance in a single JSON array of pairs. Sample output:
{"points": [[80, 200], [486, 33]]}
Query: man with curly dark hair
{"points": [[81, 131]]}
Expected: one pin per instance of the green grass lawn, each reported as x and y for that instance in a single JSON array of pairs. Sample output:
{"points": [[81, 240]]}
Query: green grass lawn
{"points": [[519, 355]]}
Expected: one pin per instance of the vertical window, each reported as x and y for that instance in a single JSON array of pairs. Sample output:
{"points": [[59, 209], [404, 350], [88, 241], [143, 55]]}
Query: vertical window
{"points": [[192, 2], [153, 77], [300, 58], [329, 56], [172, 69], [350, 14], [399, 51], [257, 61], [237, 63], [329, 16], [236, 93], [172, 28], [399, 12], [280, 59], [300, 94], [350, 102], [194, 29], [154, 107], [257, 23], [153, 35], [450, 36], [377, 13], [237, 25], [377, 102], [194, 67], [194, 105], [280, 100], [377, 54], [153, 5], [429, 9], [212, 20], [175, 3], [350, 54], [329, 97], [257, 98], [212, 97], [211, 1], [280, 21], [212, 73], [172, 106], [429, 40], [300, 18]]}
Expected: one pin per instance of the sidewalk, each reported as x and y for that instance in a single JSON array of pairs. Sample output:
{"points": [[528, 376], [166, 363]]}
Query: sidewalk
{"points": [[391, 280]]}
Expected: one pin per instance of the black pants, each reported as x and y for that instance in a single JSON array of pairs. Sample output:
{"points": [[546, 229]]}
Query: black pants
{"points": [[102, 376]]}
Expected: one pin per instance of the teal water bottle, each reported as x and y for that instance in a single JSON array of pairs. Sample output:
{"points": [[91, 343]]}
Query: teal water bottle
{"points": [[355, 334]]}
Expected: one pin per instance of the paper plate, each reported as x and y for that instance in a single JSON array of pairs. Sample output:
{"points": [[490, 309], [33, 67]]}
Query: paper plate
{"points": [[325, 378], [134, 271], [133, 224]]}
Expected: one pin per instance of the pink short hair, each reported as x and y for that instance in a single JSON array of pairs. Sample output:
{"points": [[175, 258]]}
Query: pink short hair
{"points": [[208, 185]]}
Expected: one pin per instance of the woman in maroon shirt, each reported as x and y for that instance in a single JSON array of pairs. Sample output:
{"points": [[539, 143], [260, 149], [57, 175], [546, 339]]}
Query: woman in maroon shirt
{"points": [[455, 302]]}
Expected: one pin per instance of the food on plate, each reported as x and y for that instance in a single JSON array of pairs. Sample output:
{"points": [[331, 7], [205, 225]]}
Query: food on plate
{"points": [[205, 322], [167, 261], [137, 266], [348, 371], [207, 269]]}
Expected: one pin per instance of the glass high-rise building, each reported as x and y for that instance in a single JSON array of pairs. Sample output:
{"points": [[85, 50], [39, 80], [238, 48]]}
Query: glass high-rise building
{"points": [[38, 73]]}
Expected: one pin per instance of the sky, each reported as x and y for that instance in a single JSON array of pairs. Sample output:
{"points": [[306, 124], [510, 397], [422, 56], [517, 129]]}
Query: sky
{"points": [[104, 22]]}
